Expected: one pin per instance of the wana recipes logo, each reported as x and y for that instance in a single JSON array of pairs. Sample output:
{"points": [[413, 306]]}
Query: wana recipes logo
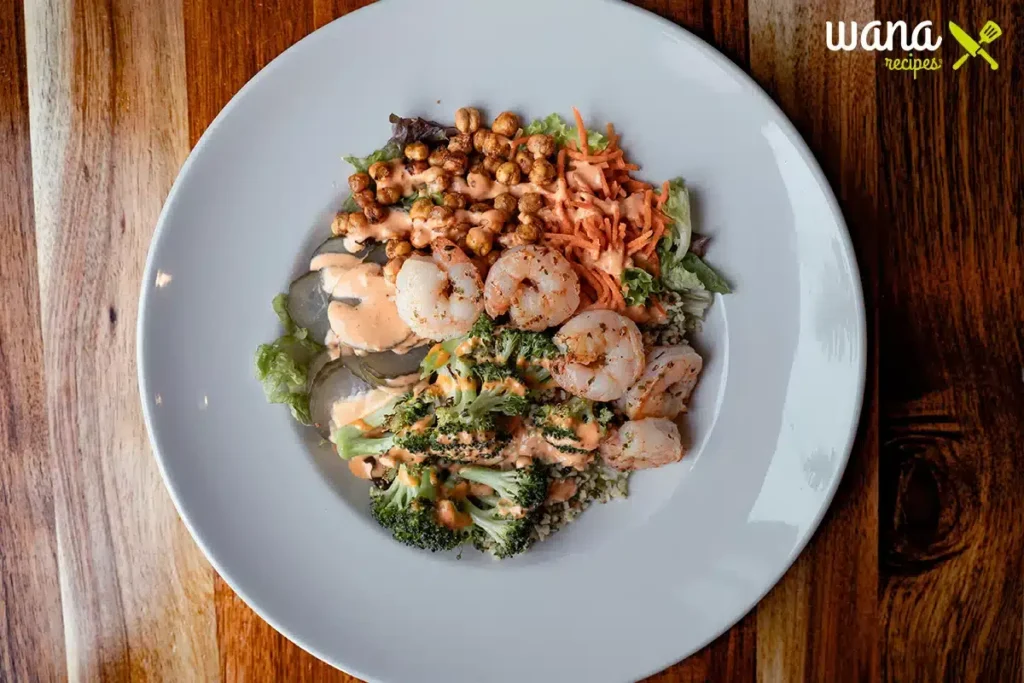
{"points": [[896, 35]]}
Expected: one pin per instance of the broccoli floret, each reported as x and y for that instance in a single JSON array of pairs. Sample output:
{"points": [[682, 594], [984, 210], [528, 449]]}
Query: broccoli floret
{"points": [[483, 328], [416, 443], [527, 487], [409, 411], [557, 422], [492, 372], [440, 355], [406, 509], [352, 441], [509, 535], [501, 392]]}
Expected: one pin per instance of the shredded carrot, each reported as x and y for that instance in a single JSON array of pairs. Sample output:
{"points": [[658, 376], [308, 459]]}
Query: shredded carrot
{"points": [[582, 130]]}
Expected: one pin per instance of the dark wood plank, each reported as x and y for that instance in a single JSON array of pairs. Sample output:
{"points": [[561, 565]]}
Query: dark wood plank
{"points": [[226, 43], [820, 622], [952, 514], [31, 633], [106, 93]]}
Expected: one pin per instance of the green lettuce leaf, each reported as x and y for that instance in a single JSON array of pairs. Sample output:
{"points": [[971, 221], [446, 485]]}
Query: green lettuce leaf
{"points": [[283, 365], [677, 208], [703, 272], [390, 151], [638, 285], [555, 126]]}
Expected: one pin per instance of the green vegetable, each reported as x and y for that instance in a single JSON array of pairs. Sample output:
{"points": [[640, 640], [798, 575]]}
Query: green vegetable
{"points": [[555, 126], [708, 277], [352, 441], [283, 365], [638, 285], [408, 512], [388, 152], [527, 487], [683, 271], [407, 202], [508, 535], [677, 207], [442, 354], [557, 421]]}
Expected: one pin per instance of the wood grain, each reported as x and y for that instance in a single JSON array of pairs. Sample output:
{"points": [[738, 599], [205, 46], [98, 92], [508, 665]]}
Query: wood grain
{"points": [[917, 573], [951, 511], [106, 96], [31, 637]]}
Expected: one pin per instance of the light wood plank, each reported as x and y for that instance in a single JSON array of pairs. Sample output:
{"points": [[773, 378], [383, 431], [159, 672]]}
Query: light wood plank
{"points": [[31, 638], [109, 131], [820, 622]]}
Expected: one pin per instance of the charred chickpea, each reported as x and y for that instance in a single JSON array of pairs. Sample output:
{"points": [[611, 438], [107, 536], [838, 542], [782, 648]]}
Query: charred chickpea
{"points": [[506, 124], [420, 239], [478, 168], [375, 213], [498, 146], [463, 142], [530, 202], [441, 182], [437, 157], [479, 241], [491, 164], [417, 167], [441, 214], [339, 226], [357, 221], [524, 161], [388, 195], [417, 151], [506, 202], [508, 173], [480, 137], [455, 162], [480, 207], [540, 145], [379, 170], [467, 119], [392, 267], [358, 182], [398, 249], [454, 200], [420, 209], [459, 231], [543, 171], [364, 198], [529, 231]]}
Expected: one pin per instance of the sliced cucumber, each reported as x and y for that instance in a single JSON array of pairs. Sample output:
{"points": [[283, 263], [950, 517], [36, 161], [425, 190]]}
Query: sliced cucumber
{"points": [[374, 252], [307, 305], [334, 382], [377, 368]]}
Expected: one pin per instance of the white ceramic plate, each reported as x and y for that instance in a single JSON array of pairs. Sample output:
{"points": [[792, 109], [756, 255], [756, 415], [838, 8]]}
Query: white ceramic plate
{"points": [[631, 587]]}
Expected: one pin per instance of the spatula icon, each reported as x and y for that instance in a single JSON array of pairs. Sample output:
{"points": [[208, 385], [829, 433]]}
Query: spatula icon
{"points": [[989, 32]]}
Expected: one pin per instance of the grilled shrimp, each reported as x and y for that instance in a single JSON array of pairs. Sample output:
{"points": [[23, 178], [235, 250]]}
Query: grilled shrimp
{"points": [[535, 285], [604, 355], [665, 385], [642, 444], [439, 297]]}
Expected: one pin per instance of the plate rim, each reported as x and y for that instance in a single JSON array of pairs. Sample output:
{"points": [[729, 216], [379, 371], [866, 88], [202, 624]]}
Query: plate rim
{"points": [[719, 59]]}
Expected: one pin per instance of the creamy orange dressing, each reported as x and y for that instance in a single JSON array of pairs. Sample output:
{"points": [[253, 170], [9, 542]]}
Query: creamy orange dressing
{"points": [[560, 490], [589, 434], [510, 384], [373, 324], [341, 261], [365, 467], [584, 176], [351, 411], [611, 261], [531, 443]]}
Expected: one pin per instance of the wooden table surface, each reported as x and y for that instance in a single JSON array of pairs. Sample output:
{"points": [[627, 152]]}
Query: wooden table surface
{"points": [[917, 573]]}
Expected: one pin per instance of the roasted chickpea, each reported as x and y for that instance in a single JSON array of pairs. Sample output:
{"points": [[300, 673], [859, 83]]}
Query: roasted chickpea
{"points": [[505, 202], [420, 239], [388, 195], [364, 198], [543, 172], [375, 213], [417, 151], [420, 209], [455, 162], [358, 182], [441, 213], [379, 170], [441, 182], [528, 232], [454, 200], [467, 119], [339, 226], [524, 161], [397, 248], [480, 207], [392, 267], [506, 124], [463, 142], [459, 231], [491, 164], [508, 173], [478, 168], [357, 221], [531, 202], [497, 146], [437, 157], [540, 145], [480, 137], [479, 241]]}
